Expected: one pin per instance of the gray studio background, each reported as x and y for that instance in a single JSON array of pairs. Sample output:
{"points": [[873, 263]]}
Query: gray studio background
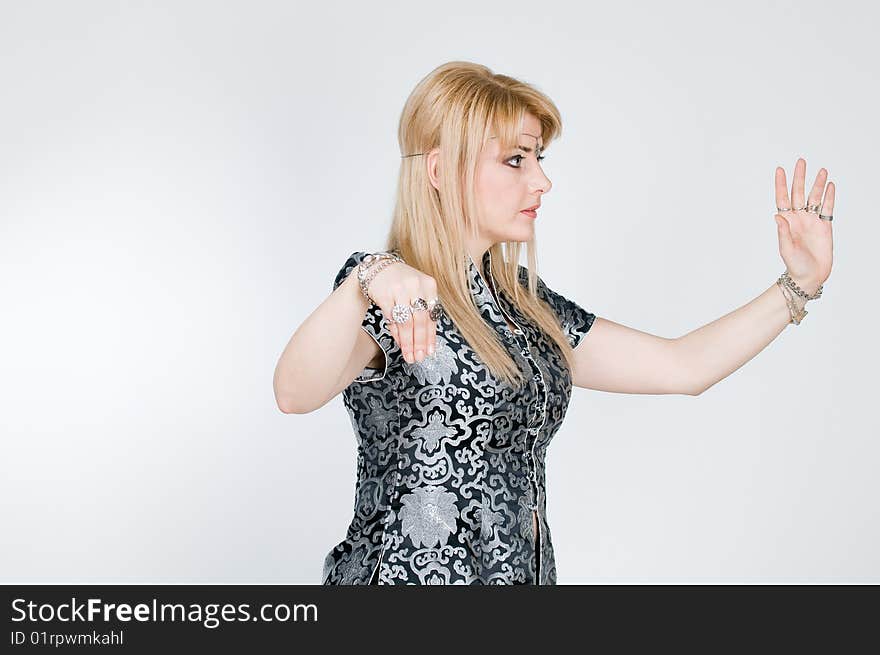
{"points": [[182, 181]]}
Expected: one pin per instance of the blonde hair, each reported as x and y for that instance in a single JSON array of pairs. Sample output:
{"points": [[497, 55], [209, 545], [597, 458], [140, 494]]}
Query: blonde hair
{"points": [[459, 105]]}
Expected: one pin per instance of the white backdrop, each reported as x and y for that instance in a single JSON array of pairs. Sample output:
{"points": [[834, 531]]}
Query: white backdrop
{"points": [[179, 185]]}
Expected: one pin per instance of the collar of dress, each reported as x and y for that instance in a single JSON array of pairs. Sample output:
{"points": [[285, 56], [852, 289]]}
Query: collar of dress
{"points": [[481, 279]]}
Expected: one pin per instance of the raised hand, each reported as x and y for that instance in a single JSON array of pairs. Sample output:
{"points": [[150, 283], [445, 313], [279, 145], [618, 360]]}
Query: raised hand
{"points": [[805, 241]]}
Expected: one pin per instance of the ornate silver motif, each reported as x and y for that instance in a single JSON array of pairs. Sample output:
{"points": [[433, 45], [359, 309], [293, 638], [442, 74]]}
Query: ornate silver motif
{"points": [[436, 368], [433, 433], [401, 313], [429, 515]]}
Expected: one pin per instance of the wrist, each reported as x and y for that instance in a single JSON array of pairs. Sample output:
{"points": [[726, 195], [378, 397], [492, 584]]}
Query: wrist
{"points": [[354, 289], [809, 286]]}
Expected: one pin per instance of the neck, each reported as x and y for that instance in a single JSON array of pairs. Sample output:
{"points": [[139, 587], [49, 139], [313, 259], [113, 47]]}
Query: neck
{"points": [[476, 249]]}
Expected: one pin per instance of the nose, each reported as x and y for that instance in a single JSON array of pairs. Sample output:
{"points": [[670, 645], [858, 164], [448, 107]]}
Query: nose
{"points": [[541, 184]]}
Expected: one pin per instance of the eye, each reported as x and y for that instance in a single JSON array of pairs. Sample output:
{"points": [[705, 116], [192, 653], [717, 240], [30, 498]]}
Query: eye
{"points": [[519, 158]]}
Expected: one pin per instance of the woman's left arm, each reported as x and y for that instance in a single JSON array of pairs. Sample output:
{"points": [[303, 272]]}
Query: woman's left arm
{"points": [[616, 358], [714, 351]]}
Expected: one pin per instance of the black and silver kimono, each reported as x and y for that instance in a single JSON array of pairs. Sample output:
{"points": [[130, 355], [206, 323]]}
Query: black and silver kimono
{"points": [[450, 460]]}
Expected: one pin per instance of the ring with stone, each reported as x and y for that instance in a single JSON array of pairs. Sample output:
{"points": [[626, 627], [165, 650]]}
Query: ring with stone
{"points": [[435, 309], [419, 305], [813, 209], [401, 313]]}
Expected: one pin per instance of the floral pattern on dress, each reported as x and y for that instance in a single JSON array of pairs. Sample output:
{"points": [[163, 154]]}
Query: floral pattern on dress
{"points": [[436, 368], [429, 516], [433, 433]]}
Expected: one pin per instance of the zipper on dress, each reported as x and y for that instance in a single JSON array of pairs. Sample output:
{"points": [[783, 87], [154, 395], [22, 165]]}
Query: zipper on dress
{"points": [[539, 547], [536, 518], [373, 576], [385, 522]]}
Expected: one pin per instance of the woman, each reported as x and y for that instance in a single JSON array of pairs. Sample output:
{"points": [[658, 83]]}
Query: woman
{"points": [[456, 363]]}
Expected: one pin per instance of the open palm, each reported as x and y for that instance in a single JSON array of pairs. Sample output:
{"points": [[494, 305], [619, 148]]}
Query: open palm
{"points": [[805, 240]]}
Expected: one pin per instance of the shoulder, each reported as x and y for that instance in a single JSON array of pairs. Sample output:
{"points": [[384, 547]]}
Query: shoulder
{"points": [[541, 287]]}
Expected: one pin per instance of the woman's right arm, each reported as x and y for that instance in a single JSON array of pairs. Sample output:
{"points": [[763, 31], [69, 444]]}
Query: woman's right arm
{"points": [[326, 352]]}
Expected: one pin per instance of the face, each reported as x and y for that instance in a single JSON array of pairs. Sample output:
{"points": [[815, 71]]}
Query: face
{"points": [[505, 184]]}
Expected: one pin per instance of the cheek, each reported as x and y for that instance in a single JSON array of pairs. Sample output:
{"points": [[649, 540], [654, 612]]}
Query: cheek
{"points": [[497, 193]]}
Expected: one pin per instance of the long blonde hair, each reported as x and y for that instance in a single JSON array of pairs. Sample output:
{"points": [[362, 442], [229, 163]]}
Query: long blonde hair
{"points": [[459, 105]]}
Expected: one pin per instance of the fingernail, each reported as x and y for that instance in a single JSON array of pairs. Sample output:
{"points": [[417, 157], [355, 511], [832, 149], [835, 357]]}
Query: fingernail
{"points": [[430, 350], [420, 355]]}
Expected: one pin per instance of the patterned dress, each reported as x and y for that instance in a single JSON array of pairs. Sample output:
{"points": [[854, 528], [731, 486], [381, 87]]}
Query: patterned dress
{"points": [[450, 460]]}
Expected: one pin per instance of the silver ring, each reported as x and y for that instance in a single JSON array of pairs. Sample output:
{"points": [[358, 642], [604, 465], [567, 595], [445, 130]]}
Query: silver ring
{"points": [[419, 305], [783, 209], [401, 313], [813, 209], [823, 217], [435, 309]]}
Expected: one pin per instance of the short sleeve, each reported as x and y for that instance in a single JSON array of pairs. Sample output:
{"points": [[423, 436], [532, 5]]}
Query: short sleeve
{"points": [[574, 319], [374, 325]]}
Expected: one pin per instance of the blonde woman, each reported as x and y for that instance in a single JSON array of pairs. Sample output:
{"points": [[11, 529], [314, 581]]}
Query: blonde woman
{"points": [[453, 408]]}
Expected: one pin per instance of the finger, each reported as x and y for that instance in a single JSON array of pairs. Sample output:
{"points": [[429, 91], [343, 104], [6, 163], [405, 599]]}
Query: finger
{"points": [[797, 184], [828, 203], [405, 329], [420, 334], [429, 289], [782, 199], [386, 305], [815, 196], [785, 237], [418, 322], [387, 308]]}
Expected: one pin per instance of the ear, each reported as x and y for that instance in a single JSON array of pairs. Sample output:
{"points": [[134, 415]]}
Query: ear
{"points": [[432, 160]]}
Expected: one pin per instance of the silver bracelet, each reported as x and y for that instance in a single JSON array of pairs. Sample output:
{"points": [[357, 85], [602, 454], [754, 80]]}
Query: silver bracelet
{"points": [[797, 315], [789, 288], [791, 284], [371, 265]]}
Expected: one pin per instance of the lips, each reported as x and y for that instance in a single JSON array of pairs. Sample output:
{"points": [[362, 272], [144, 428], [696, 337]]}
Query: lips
{"points": [[532, 208]]}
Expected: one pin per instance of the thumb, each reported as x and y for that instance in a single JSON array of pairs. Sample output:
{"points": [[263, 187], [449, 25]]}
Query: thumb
{"points": [[784, 231], [782, 225]]}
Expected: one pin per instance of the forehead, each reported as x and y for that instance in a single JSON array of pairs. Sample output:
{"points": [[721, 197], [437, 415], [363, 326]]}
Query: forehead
{"points": [[531, 124], [526, 139], [529, 133]]}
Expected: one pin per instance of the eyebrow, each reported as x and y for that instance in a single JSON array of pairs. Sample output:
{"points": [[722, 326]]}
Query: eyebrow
{"points": [[524, 149]]}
